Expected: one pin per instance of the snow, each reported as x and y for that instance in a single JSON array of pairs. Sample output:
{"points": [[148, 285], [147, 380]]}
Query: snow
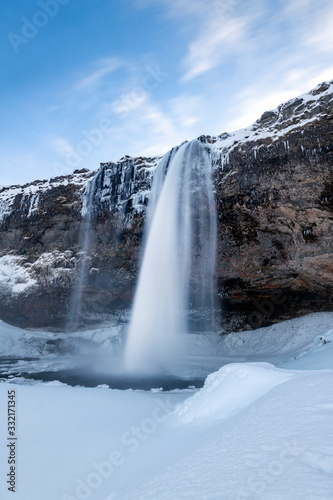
{"points": [[144, 168], [17, 275], [260, 428], [31, 192], [18, 343], [280, 447], [13, 276], [230, 389], [124, 183], [225, 143]]}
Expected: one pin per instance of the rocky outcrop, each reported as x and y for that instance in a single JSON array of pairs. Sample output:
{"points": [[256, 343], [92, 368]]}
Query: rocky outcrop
{"points": [[42, 246], [274, 185], [275, 208]]}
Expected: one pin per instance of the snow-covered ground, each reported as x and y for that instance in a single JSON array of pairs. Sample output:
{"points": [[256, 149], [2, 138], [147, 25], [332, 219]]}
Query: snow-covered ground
{"points": [[260, 428]]}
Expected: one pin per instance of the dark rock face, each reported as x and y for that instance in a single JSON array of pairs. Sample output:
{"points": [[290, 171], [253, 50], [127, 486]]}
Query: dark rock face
{"points": [[41, 245], [274, 185], [275, 216]]}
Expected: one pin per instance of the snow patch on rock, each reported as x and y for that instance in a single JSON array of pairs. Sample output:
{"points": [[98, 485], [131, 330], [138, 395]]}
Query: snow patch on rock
{"points": [[14, 276], [30, 193], [19, 276], [288, 117]]}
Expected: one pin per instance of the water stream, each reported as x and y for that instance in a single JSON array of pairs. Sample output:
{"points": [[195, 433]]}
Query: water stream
{"points": [[177, 269], [75, 305]]}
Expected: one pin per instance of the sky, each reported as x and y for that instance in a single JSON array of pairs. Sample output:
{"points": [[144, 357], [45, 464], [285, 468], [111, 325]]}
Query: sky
{"points": [[89, 81]]}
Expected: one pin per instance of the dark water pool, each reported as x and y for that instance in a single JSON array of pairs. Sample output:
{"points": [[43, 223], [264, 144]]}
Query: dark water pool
{"points": [[86, 377]]}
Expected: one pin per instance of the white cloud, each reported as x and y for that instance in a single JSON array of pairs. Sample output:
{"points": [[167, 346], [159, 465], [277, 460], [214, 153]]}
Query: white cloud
{"points": [[323, 75], [160, 131], [252, 107], [312, 23], [186, 110], [260, 97], [220, 26], [213, 46], [223, 28], [322, 37], [105, 67], [128, 102], [148, 130]]}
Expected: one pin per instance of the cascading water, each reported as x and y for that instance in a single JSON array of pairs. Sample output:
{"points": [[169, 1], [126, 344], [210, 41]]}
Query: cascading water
{"points": [[75, 309], [177, 269]]}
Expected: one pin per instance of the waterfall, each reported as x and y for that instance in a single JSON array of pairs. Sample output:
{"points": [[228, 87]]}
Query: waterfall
{"points": [[75, 306], [177, 269]]}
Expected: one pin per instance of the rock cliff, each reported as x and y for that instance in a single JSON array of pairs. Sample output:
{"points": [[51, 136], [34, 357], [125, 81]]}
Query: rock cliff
{"points": [[274, 185]]}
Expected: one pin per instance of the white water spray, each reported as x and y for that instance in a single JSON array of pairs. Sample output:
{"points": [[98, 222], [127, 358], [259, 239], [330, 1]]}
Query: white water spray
{"points": [[177, 270]]}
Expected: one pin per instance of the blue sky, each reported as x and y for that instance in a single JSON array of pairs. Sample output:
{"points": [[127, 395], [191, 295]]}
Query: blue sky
{"points": [[88, 81]]}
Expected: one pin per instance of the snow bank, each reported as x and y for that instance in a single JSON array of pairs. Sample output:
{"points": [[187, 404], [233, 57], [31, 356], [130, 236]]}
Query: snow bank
{"points": [[278, 444], [278, 448], [280, 344], [291, 337], [230, 389]]}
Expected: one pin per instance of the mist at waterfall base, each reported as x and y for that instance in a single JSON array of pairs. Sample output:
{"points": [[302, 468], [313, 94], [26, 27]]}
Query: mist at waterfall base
{"points": [[177, 269], [153, 348]]}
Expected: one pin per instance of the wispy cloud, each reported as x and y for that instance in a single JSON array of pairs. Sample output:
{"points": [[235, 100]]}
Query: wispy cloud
{"points": [[260, 97], [159, 127], [322, 37], [186, 110], [250, 107], [215, 43], [312, 23], [152, 130], [104, 68], [220, 27]]}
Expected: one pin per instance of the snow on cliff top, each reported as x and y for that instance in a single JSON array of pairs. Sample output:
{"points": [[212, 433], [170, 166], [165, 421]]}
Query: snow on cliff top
{"points": [[273, 124], [79, 178], [32, 190], [278, 122], [139, 161]]}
